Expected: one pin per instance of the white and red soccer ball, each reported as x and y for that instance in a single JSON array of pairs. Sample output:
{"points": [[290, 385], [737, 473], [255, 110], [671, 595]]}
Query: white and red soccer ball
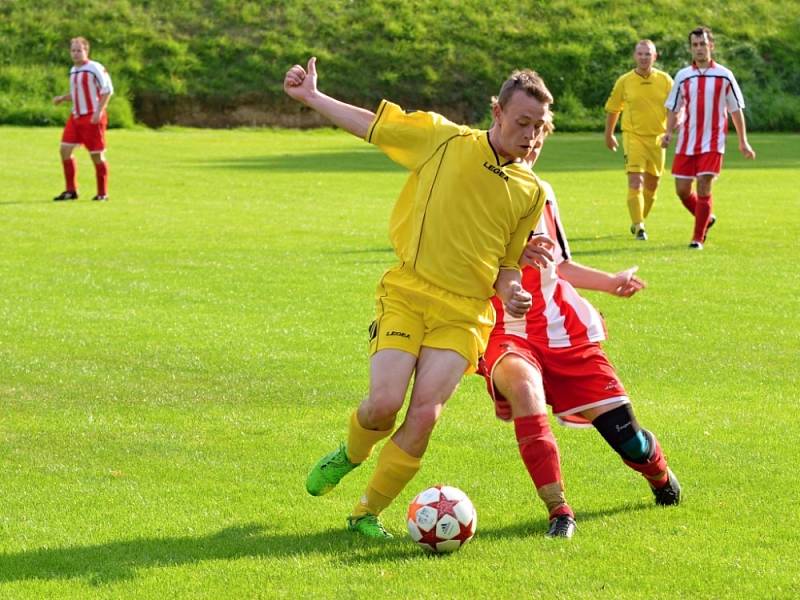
{"points": [[442, 519]]}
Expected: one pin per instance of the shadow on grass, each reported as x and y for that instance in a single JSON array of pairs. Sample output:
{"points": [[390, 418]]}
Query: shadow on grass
{"points": [[121, 560]]}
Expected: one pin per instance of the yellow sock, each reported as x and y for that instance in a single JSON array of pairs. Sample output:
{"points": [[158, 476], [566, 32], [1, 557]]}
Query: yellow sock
{"points": [[395, 469], [649, 198], [360, 441], [635, 205]]}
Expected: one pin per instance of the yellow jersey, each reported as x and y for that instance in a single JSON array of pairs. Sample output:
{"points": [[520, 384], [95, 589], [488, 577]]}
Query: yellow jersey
{"points": [[464, 212], [641, 102]]}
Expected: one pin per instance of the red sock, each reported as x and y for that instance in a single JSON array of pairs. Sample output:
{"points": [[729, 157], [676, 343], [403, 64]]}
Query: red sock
{"points": [[70, 169], [101, 172], [539, 452], [690, 202], [655, 469], [701, 216]]}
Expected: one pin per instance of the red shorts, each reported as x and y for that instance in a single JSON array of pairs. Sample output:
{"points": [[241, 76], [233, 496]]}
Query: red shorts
{"points": [[81, 130], [575, 379], [685, 166]]}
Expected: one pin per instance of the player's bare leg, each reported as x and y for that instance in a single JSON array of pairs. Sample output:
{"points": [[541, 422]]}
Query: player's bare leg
{"points": [[438, 373], [520, 383], [70, 173]]}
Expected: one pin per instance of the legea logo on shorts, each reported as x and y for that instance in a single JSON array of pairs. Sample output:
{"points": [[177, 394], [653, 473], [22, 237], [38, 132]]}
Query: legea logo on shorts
{"points": [[400, 333]]}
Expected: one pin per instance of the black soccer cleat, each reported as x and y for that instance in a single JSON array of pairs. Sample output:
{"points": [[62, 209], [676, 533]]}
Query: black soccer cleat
{"points": [[562, 526], [66, 196], [695, 245], [641, 235], [100, 198], [670, 494]]}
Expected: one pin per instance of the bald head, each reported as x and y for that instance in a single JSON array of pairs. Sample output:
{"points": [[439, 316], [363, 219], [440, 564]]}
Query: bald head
{"points": [[645, 55]]}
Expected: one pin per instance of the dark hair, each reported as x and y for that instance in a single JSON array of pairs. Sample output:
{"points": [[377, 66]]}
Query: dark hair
{"points": [[526, 80], [699, 31]]}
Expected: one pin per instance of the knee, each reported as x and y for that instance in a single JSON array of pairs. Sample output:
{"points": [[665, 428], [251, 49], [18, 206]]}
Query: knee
{"points": [[623, 433], [421, 418], [380, 408], [526, 398], [521, 384]]}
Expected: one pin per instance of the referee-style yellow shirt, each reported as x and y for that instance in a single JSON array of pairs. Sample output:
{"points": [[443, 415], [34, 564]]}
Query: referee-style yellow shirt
{"points": [[464, 212], [641, 102]]}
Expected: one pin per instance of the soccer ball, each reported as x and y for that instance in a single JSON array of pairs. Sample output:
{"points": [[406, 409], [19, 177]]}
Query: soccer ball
{"points": [[442, 519]]}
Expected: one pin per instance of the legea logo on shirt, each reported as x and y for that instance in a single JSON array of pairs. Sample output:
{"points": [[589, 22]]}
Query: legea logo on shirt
{"points": [[496, 170]]}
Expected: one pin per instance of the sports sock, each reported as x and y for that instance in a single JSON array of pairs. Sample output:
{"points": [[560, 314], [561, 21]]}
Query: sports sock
{"points": [[395, 469], [539, 452], [649, 199], [690, 202], [361, 441], [70, 171], [636, 205], [101, 174], [701, 216]]}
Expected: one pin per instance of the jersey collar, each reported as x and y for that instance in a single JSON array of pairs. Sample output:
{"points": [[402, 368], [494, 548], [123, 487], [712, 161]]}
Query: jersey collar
{"points": [[497, 158]]}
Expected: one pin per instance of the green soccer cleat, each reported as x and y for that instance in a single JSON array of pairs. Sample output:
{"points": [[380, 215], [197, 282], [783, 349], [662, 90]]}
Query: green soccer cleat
{"points": [[368, 526], [328, 472]]}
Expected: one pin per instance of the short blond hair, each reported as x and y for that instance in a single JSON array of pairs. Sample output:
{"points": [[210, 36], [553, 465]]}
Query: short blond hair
{"points": [[526, 80], [82, 41]]}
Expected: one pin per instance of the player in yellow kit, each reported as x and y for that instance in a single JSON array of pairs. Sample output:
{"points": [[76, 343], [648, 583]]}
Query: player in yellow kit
{"points": [[640, 95], [458, 228]]}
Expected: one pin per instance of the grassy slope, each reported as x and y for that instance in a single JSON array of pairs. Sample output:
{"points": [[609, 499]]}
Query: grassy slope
{"points": [[171, 362], [214, 56]]}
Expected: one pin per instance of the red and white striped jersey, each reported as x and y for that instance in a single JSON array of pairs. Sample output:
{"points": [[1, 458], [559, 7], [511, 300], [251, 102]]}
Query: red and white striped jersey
{"points": [[86, 83], [559, 316], [704, 97]]}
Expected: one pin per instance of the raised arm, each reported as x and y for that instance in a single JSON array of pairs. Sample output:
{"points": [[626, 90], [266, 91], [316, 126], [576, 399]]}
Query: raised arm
{"points": [[624, 284], [611, 123], [301, 85], [741, 132]]}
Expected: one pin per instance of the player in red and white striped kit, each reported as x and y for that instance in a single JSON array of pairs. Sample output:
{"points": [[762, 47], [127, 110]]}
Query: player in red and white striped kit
{"points": [[702, 96], [552, 356], [90, 89]]}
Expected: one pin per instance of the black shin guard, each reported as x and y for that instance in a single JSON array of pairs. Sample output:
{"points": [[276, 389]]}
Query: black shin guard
{"points": [[621, 430]]}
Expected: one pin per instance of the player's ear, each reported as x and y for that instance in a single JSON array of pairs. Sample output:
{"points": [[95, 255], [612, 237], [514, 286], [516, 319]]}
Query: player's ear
{"points": [[497, 113]]}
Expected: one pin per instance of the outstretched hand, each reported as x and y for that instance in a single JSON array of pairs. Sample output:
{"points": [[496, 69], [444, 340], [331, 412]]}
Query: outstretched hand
{"points": [[299, 83], [625, 283]]}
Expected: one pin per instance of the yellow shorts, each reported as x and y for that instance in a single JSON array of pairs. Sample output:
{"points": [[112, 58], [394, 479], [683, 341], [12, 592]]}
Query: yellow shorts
{"points": [[411, 313], [643, 153]]}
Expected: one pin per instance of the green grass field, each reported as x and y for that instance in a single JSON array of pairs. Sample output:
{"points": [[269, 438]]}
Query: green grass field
{"points": [[173, 361]]}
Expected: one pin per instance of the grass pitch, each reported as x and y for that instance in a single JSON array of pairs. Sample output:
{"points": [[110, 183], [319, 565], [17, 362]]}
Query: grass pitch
{"points": [[174, 360]]}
